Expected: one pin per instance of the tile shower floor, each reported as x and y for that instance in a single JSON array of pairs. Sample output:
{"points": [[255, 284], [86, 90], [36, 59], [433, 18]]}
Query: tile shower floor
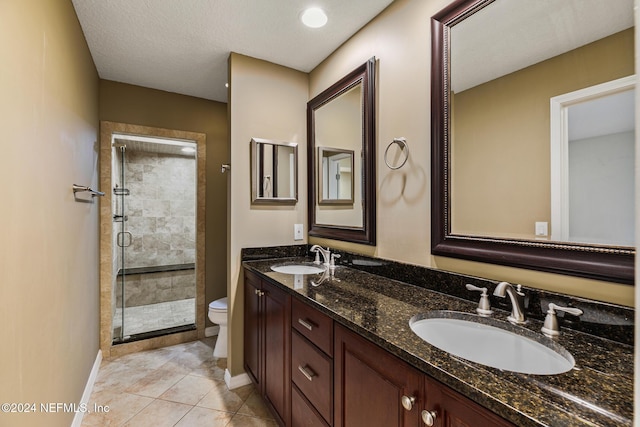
{"points": [[181, 385], [154, 317]]}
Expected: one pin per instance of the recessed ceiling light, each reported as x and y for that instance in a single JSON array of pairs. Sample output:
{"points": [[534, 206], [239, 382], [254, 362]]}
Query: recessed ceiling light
{"points": [[314, 17]]}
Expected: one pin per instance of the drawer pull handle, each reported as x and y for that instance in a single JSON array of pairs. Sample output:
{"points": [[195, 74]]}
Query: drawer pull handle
{"points": [[429, 417], [308, 373], [306, 324]]}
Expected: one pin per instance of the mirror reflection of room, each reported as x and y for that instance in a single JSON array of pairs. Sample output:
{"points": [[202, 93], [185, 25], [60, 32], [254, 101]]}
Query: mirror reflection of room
{"points": [[274, 171], [339, 139], [501, 87], [336, 176]]}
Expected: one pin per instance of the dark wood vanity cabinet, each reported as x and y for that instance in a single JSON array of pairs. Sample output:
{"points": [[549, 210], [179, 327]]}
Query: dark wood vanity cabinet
{"points": [[314, 372], [267, 343], [452, 409], [311, 367], [370, 384], [375, 388]]}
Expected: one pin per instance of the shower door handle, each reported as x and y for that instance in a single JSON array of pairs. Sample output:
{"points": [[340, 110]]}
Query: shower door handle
{"points": [[120, 218], [121, 239]]}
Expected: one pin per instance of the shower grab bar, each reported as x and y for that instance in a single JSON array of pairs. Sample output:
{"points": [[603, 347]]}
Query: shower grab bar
{"points": [[80, 188]]}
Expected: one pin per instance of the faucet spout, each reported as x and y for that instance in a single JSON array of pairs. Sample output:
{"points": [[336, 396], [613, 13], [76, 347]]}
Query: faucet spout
{"points": [[517, 301], [326, 253]]}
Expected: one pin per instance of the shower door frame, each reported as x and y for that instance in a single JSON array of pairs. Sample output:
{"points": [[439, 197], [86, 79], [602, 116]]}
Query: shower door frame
{"points": [[107, 129]]}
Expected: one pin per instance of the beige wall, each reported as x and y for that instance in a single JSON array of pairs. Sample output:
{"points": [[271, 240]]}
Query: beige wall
{"points": [[137, 105], [513, 115], [49, 296], [400, 40], [265, 101]]}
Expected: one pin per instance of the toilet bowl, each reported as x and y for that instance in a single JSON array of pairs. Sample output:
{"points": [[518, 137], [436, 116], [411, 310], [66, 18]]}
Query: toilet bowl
{"points": [[218, 315]]}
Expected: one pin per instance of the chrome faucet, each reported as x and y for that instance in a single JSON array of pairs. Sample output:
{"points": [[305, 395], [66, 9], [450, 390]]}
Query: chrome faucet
{"points": [[326, 254], [517, 301]]}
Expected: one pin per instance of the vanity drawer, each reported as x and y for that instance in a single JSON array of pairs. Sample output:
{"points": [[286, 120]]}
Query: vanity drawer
{"points": [[312, 372], [315, 326], [302, 413]]}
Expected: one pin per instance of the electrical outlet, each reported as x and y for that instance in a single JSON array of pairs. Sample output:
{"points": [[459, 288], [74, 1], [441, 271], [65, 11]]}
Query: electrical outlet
{"points": [[297, 232], [542, 229]]}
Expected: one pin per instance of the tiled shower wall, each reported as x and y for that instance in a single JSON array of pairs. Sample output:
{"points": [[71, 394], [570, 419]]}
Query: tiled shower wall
{"points": [[153, 288], [161, 209], [161, 219]]}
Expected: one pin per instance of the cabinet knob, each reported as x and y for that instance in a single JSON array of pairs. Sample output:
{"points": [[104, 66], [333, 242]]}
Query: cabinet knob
{"points": [[407, 402], [429, 417]]}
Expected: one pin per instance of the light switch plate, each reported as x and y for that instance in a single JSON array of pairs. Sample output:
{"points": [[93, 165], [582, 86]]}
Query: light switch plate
{"points": [[298, 232]]}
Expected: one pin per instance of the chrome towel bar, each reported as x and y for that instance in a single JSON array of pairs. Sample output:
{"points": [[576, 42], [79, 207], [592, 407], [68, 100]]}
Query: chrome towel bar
{"points": [[80, 188]]}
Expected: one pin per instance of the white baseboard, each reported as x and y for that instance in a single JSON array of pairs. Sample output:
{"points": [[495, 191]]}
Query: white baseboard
{"points": [[237, 381], [211, 331], [88, 388]]}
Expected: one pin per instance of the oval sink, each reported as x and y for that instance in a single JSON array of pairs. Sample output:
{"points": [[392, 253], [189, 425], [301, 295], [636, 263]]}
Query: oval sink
{"points": [[297, 268], [489, 344]]}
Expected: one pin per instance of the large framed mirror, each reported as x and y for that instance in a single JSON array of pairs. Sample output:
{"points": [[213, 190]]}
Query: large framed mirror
{"points": [[506, 77], [274, 171], [341, 162]]}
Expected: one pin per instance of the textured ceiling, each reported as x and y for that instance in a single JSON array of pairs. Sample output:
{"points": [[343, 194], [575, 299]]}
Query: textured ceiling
{"points": [[182, 46], [513, 34]]}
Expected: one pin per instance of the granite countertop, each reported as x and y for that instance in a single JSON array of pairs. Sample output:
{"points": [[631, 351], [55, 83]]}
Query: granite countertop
{"points": [[598, 391]]}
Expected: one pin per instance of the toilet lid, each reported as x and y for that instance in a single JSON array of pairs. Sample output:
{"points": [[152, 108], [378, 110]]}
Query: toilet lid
{"points": [[219, 304]]}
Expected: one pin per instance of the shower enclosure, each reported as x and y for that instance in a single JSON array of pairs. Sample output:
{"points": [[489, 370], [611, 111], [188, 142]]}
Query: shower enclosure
{"points": [[154, 236]]}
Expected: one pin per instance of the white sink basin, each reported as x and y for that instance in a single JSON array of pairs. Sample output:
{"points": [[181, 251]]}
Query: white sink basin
{"points": [[298, 268], [461, 335]]}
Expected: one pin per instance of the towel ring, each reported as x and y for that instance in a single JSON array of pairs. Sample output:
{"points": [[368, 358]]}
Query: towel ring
{"points": [[402, 143]]}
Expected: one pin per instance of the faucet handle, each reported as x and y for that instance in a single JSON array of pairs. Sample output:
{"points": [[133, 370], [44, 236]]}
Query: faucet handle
{"points": [[550, 327], [484, 306], [334, 256]]}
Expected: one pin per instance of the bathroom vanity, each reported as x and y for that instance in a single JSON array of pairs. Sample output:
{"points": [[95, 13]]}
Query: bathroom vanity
{"points": [[337, 350]]}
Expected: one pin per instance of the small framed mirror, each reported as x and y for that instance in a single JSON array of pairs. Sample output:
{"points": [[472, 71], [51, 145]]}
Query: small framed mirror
{"points": [[274, 171], [335, 176]]}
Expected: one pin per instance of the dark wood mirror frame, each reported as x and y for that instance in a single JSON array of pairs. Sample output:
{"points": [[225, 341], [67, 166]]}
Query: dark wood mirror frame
{"points": [[367, 233], [612, 264]]}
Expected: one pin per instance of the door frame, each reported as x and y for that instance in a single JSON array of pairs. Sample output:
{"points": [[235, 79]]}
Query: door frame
{"points": [[559, 124], [107, 129]]}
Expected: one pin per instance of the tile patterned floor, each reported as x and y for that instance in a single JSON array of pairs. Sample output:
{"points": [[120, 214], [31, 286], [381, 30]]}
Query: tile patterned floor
{"points": [[181, 385], [154, 317]]}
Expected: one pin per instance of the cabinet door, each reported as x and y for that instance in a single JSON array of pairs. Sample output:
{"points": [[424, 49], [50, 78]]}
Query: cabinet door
{"points": [[452, 409], [277, 350], [370, 384], [252, 329]]}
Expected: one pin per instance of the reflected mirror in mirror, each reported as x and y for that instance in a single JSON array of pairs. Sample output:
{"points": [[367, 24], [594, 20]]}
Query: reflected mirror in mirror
{"points": [[340, 123], [501, 194], [335, 169], [274, 171]]}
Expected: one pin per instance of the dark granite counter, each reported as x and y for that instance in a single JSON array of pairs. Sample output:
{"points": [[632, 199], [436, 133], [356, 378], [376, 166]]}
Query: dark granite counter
{"points": [[598, 391]]}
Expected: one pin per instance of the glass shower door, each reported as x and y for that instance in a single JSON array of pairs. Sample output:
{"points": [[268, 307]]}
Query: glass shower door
{"points": [[154, 234], [122, 242]]}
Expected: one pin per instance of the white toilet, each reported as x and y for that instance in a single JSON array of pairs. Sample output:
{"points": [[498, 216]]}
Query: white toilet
{"points": [[218, 315]]}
